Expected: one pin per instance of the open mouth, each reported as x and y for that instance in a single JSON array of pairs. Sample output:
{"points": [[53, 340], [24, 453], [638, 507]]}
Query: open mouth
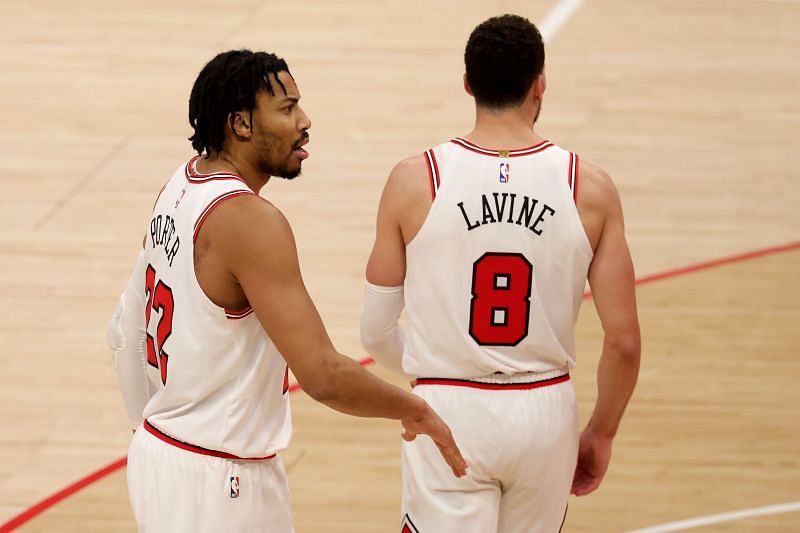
{"points": [[298, 149]]}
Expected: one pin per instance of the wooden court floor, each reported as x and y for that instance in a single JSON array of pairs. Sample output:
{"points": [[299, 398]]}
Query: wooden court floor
{"points": [[690, 105]]}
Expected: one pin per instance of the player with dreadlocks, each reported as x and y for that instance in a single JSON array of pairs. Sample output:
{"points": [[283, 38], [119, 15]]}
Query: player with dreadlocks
{"points": [[216, 312]]}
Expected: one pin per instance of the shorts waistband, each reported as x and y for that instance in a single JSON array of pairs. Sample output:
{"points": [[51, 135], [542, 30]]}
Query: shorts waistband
{"points": [[197, 449], [520, 381]]}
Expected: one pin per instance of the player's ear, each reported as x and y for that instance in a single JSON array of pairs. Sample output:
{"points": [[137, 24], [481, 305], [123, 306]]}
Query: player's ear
{"points": [[240, 124], [466, 86], [539, 86]]}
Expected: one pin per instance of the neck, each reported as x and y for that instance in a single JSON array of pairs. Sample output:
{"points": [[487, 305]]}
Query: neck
{"points": [[507, 128], [225, 161]]}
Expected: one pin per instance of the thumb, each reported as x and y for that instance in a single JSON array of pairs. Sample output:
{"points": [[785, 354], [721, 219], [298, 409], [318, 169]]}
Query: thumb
{"points": [[408, 436]]}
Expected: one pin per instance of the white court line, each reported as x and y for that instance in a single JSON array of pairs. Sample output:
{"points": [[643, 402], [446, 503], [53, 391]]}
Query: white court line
{"points": [[722, 517], [557, 17]]}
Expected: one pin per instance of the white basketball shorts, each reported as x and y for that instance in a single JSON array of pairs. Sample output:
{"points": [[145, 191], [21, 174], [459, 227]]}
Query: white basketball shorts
{"points": [[519, 435], [175, 490]]}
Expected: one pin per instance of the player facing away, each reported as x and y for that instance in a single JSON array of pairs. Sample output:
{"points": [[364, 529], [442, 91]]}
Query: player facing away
{"points": [[216, 309], [488, 240]]}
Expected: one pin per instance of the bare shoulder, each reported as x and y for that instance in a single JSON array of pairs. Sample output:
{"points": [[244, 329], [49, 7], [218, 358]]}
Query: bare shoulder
{"points": [[598, 201], [407, 188], [409, 175], [246, 225], [596, 189], [246, 212], [595, 181]]}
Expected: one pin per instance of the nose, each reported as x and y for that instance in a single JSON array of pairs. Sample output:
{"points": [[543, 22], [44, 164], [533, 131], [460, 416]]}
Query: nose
{"points": [[303, 122]]}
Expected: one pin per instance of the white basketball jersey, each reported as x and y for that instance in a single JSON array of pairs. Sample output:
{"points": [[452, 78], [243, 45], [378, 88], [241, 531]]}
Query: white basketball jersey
{"points": [[496, 274], [222, 382]]}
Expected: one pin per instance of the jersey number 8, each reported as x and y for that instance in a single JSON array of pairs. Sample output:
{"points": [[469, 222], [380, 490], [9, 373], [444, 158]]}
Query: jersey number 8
{"points": [[501, 299]]}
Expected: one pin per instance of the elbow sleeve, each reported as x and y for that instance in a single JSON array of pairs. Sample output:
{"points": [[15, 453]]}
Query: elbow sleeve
{"points": [[381, 335]]}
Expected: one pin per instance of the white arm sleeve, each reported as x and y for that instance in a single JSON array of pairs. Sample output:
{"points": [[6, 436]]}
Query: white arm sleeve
{"points": [[381, 335], [127, 337]]}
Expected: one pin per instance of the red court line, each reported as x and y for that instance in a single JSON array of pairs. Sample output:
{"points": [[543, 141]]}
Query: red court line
{"points": [[719, 262], [62, 494], [119, 463]]}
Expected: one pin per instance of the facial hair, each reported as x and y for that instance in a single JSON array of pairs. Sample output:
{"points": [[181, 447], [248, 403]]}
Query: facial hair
{"points": [[271, 162]]}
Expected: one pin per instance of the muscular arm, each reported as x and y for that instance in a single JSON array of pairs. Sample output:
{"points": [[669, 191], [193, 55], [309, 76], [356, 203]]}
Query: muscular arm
{"points": [[611, 278], [258, 246], [403, 207]]}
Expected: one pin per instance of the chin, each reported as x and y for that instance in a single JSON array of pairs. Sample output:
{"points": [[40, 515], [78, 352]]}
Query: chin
{"points": [[289, 173]]}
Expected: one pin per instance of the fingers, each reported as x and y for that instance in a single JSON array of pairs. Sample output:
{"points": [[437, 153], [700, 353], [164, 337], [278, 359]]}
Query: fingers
{"points": [[453, 458], [587, 486], [584, 483], [430, 424]]}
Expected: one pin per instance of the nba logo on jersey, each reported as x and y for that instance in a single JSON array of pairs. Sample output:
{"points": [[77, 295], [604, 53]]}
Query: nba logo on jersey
{"points": [[235, 487], [505, 170], [178, 201]]}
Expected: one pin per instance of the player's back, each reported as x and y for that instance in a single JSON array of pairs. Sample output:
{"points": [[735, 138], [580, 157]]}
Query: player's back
{"points": [[222, 382], [496, 273]]}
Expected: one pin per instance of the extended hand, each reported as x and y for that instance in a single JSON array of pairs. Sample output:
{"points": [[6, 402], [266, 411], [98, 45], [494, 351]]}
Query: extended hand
{"points": [[594, 455], [430, 424]]}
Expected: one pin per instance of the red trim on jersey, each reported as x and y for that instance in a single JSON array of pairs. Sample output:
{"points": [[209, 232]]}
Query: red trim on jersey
{"points": [[570, 175], [213, 205], [471, 146], [436, 173], [430, 175], [575, 178], [236, 315], [194, 176], [491, 386], [197, 449]]}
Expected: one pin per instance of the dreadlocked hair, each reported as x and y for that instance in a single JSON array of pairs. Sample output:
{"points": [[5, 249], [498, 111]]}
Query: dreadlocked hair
{"points": [[227, 84]]}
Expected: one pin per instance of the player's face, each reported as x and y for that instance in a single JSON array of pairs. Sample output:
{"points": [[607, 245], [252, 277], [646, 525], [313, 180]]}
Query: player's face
{"points": [[280, 130]]}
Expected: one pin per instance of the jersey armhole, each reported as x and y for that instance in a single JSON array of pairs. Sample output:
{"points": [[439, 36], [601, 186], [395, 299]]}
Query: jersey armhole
{"points": [[231, 314], [574, 172], [433, 172], [213, 205]]}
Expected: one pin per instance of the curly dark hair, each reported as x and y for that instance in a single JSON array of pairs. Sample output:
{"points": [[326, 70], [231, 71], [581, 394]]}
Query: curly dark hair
{"points": [[229, 83], [504, 55]]}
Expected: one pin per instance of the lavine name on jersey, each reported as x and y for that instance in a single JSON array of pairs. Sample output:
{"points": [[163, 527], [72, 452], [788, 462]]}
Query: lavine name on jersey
{"points": [[162, 233], [506, 207]]}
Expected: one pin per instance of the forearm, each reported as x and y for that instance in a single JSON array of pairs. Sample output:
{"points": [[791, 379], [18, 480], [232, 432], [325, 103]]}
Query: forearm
{"points": [[349, 388], [126, 338], [381, 335], [617, 373]]}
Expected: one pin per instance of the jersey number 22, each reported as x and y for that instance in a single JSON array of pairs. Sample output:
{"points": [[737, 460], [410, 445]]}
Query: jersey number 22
{"points": [[159, 298]]}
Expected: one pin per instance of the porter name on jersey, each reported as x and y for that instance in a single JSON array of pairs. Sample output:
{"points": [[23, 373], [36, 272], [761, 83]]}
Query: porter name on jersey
{"points": [[162, 233], [508, 208]]}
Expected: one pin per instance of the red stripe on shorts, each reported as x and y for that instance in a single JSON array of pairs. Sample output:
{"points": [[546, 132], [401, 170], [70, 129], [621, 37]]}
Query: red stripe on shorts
{"points": [[491, 386]]}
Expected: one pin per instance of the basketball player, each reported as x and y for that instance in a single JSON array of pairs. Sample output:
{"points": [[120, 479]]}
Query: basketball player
{"points": [[215, 310], [488, 239]]}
